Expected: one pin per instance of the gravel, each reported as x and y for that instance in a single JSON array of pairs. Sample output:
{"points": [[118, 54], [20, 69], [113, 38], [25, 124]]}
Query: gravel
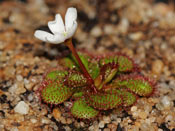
{"points": [[144, 30]]}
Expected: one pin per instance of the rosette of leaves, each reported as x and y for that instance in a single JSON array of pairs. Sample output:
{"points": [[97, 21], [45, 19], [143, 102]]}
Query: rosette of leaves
{"points": [[113, 78]]}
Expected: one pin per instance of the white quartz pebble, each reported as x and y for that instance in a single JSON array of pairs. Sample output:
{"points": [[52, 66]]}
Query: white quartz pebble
{"points": [[22, 108]]}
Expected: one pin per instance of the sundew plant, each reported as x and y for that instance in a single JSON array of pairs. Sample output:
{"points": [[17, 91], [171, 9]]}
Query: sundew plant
{"points": [[92, 82]]}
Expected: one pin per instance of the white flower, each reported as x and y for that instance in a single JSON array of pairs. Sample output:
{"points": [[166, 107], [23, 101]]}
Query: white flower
{"points": [[60, 31]]}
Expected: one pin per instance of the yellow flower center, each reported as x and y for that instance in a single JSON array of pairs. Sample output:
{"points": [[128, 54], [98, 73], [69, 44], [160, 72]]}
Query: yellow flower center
{"points": [[65, 33]]}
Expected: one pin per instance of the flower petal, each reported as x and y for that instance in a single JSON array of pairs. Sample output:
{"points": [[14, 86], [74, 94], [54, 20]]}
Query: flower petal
{"points": [[56, 26], [72, 30], [47, 37], [42, 35], [70, 18], [56, 39]]}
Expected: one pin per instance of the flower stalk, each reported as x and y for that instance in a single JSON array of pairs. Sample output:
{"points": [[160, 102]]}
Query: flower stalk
{"points": [[69, 44]]}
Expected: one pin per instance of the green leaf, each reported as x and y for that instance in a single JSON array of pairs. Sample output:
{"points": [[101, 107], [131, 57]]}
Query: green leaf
{"points": [[128, 97], [75, 79], [135, 83], [68, 63], [55, 93], [94, 69], [125, 63], [78, 94], [81, 110], [56, 74], [103, 100]]}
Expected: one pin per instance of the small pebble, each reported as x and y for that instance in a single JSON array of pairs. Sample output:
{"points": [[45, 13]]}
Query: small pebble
{"points": [[17, 88], [67, 128], [106, 119], [96, 31], [169, 118], [69, 121], [30, 97], [106, 129], [143, 115], [135, 114], [56, 113], [55, 127], [22, 108], [157, 67], [14, 129], [19, 78], [43, 111], [45, 120], [136, 36], [161, 8], [134, 108], [63, 120], [108, 29], [101, 124], [124, 25], [147, 108], [144, 127], [82, 124], [166, 101], [33, 121], [159, 106], [112, 126], [91, 128]]}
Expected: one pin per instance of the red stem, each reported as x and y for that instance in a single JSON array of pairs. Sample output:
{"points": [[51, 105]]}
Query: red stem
{"points": [[86, 74]]}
